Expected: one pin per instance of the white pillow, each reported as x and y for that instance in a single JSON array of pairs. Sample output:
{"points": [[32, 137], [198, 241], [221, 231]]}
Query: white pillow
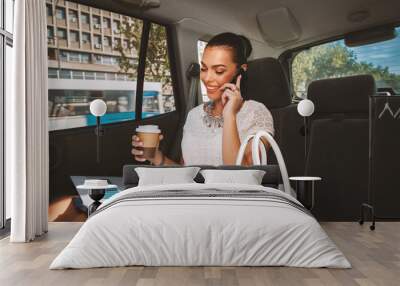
{"points": [[164, 176], [248, 177]]}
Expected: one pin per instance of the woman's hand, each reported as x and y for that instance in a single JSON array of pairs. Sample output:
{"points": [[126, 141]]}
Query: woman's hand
{"points": [[137, 151], [231, 98]]}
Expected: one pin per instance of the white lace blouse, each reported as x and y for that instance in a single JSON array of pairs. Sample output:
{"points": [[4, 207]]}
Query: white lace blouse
{"points": [[202, 145]]}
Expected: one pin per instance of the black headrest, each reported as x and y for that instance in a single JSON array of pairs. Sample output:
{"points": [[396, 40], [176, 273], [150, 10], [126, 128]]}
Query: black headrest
{"points": [[342, 95], [267, 83], [271, 177]]}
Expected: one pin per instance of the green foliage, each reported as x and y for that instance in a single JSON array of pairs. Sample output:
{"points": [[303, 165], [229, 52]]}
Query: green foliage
{"points": [[132, 31], [335, 60], [157, 62]]}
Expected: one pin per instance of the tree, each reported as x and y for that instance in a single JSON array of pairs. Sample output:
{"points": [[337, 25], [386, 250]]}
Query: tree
{"points": [[132, 32], [335, 60], [157, 62]]}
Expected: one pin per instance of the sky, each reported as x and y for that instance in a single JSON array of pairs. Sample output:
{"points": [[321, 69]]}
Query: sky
{"points": [[385, 53]]}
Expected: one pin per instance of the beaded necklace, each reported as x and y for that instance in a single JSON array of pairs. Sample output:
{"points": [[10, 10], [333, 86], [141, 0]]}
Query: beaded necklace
{"points": [[211, 121]]}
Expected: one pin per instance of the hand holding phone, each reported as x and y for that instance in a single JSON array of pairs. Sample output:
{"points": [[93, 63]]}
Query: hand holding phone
{"points": [[231, 97]]}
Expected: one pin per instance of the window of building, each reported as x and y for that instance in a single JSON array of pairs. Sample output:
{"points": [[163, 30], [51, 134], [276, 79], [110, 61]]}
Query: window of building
{"points": [[106, 23], [89, 75], [123, 77], [110, 76], [73, 16], [335, 59], [52, 54], [85, 38], [97, 41], [100, 76], [63, 56], [107, 60], [116, 43], [74, 36], [77, 74], [49, 10], [107, 41], [74, 57], [85, 58], [61, 33], [96, 59], [115, 27], [96, 22], [158, 95], [115, 61], [53, 73], [50, 33], [60, 13], [85, 18], [65, 74]]}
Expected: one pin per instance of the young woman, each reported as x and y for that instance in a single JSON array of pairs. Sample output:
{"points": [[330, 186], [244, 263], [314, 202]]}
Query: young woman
{"points": [[214, 130]]}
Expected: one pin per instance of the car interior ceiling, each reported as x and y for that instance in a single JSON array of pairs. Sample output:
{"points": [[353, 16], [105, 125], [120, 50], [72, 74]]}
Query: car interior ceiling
{"points": [[190, 21]]}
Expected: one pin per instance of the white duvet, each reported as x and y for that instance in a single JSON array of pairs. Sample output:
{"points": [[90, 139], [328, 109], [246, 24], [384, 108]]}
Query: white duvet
{"points": [[200, 231]]}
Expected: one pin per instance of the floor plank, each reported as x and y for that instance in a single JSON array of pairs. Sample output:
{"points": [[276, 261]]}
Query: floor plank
{"points": [[375, 257]]}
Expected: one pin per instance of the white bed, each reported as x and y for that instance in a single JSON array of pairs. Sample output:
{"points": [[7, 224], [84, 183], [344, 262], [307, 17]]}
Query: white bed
{"points": [[207, 230]]}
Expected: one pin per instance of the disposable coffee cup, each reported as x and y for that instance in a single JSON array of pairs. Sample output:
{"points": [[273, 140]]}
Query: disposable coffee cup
{"points": [[150, 136]]}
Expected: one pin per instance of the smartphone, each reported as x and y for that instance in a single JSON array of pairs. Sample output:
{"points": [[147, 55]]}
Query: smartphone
{"points": [[241, 72]]}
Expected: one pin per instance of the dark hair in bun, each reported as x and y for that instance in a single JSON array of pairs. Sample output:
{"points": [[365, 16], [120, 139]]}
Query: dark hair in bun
{"points": [[240, 45]]}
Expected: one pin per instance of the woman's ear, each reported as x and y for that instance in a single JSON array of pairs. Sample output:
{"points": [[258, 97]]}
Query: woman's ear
{"points": [[244, 67]]}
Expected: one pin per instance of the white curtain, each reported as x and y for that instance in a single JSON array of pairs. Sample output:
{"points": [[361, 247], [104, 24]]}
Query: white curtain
{"points": [[26, 124]]}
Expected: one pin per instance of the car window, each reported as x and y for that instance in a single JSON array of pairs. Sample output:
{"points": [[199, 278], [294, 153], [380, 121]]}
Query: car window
{"points": [[158, 94], [94, 53], [335, 59], [201, 45], [84, 64]]}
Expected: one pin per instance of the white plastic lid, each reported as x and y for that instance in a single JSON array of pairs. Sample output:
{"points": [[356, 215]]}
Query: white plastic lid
{"points": [[93, 184], [305, 178], [148, 129], [96, 183]]}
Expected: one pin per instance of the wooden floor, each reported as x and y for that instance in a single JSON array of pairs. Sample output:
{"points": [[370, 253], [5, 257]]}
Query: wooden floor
{"points": [[375, 257]]}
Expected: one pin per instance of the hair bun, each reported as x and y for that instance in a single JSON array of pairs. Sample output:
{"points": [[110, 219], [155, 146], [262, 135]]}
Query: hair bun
{"points": [[247, 48], [240, 45]]}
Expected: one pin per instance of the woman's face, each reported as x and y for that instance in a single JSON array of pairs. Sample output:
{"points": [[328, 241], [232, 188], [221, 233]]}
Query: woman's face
{"points": [[217, 68]]}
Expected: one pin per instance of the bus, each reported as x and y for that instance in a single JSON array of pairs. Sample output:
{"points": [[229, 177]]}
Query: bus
{"points": [[69, 101]]}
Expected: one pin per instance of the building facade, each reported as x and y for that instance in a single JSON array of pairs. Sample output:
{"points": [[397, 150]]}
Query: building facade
{"points": [[86, 50], [83, 41]]}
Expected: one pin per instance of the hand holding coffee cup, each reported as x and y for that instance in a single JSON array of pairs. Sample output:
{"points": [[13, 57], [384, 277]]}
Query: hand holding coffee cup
{"points": [[145, 142]]}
